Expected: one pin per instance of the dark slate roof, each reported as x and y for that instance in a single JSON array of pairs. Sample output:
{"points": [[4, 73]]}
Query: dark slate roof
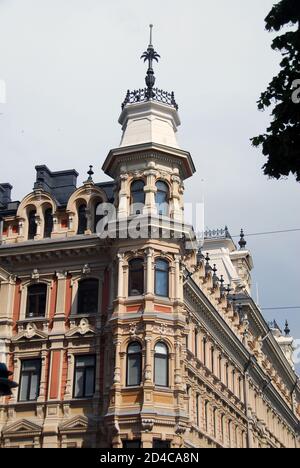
{"points": [[108, 188]]}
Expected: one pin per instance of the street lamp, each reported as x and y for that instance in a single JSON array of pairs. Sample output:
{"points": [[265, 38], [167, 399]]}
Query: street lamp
{"points": [[5, 384]]}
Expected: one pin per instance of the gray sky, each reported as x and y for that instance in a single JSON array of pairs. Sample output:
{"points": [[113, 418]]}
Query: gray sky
{"points": [[67, 65]]}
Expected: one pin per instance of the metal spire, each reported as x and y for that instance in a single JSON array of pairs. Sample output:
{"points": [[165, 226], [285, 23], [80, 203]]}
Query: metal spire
{"points": [[287, 330], [242, 242], [150, 54], [90, 174]]}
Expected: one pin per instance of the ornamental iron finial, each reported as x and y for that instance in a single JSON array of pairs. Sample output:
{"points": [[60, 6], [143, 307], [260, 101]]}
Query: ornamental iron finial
{"points": [[150, 54], [150, 93], [90, 173], [287, 330], [242, 242]]}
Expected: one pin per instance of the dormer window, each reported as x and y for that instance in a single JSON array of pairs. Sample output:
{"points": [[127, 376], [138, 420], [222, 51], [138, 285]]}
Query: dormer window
{"points": [[48, 223], [32, 226], [36, 301], [82, 219], [137, 196]]}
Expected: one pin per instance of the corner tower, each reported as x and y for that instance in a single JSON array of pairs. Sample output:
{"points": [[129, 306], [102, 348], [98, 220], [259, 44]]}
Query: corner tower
{"points": [[148, 321]]}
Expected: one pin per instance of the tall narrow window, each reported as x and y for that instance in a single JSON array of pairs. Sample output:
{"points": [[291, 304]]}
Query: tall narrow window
{"points": [[162, 198], [134, 364], [220, 366], [212, 358], [48, 223], [161, 444], [233, 381], [36, 300], [97, 215], [137, 197], [84, 378], [161, 365], [215, 422], [32, 226], [196, 342], [136, 277], [132, 444], [206, 409], [162, 278], [204, 351], [82, 219], [88, 292], [198, 410], [30, 380], [227, 375]]}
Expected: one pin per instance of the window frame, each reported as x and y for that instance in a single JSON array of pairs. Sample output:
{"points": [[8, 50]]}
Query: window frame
{"points": [[130, 271], [38, 386], [133, 194], [29, 295], [76, 359], [166, 358], [140, 363], [166, 272], [80, 213], [47, 233], [31, 218], [166, 193], [80, 298]]}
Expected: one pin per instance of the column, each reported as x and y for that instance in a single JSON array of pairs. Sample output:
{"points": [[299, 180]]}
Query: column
{"points": [[120, 276], [123, 197], [149, 256]]}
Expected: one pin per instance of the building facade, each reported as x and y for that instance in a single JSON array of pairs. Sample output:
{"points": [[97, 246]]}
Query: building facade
{"points": [[120, 328]]}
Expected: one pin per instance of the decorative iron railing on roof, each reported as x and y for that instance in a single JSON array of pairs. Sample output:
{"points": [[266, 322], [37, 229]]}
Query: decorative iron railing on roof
{"points": [[143, 95], [217, 234]]}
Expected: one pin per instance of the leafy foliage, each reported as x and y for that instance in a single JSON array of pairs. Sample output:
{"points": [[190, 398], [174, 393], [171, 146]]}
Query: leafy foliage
{"points": [[281, 142]]}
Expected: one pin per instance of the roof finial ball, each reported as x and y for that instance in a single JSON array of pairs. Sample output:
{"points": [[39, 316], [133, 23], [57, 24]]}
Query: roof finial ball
{"points": [[242, 242], [90, 173], [287, 330]]}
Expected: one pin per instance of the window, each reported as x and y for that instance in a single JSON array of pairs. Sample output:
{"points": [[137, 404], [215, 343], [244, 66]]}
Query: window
{"points": [[134, 364], [212, 353], [88, 291], [84, 378], [131, 444], [161, 365], [30, 380], [82, 220], [136, 277], [137, 196], [97, 217], [196, 343], [204, 350], [198, 410], [162, 198], [161, 444], [206, 409], [227, 375], [48, 223], [36, 300], [220, 366], [162, 278], [32, 226], [215, 422]]}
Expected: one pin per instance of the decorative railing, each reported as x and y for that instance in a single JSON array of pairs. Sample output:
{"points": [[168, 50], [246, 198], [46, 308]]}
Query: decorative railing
{"points": [[217, 234], [155, 94]]}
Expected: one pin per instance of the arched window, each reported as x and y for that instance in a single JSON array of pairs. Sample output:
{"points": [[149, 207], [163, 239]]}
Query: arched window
{"points": [[48, 223], [32, 226], [162, 198], [137, 196], [136, 277], [82, 220], [36, 300], [134, 365], [88, 296], [161, 365], [162, 278], [97, 216]]}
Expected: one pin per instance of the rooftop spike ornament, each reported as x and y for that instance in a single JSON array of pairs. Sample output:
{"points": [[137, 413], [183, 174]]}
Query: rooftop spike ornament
{"points": [[150, 54]]}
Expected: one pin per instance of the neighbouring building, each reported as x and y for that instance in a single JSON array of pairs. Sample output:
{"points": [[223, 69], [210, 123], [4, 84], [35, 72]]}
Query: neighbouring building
{"points": [[125, 340]]}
